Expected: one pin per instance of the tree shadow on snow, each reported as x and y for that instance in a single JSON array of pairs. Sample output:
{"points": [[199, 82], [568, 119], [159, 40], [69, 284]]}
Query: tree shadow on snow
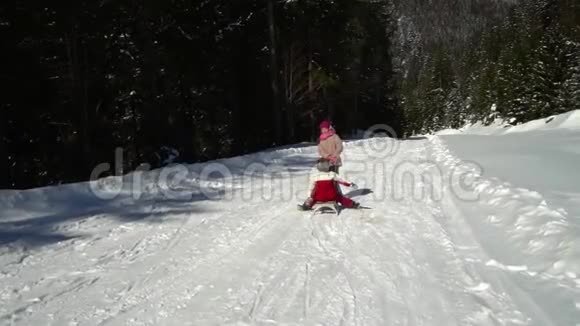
{"points": [[44, 230], [32, 237], [291, 163], [51, 209]]}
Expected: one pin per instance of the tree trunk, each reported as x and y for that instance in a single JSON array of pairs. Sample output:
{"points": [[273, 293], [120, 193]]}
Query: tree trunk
{"points": [[329, 100], [153, 126], [289, 101], [313, 127], [7, 176], [235, 102], [79, 96], [290, 122], [85, 125], [274, 74]]}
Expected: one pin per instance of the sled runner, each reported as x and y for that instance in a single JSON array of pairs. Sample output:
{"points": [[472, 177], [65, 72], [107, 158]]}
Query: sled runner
{"points": [[322, 208], [326, 208]]}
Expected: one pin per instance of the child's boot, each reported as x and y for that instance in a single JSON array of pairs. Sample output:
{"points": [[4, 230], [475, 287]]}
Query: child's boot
{"points": [[307, 205]]}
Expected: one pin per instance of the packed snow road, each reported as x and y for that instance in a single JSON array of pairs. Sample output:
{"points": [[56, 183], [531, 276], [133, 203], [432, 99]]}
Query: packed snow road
{"points": [[248, 257]]}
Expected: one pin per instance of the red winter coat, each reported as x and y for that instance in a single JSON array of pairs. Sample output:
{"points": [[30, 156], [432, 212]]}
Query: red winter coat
{"points": [[325, 187]]}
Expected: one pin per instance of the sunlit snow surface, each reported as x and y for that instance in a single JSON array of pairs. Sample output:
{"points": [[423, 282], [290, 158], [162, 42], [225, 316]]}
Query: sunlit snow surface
{"points": [[464, 229]]}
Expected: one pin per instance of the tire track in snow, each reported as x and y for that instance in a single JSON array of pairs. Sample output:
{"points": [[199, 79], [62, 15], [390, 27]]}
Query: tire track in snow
{"points": [[487, 305], [225, 226], [335, 239], [63, 251], [141, 251], [434, 270], [181, 275], [262, 294]]}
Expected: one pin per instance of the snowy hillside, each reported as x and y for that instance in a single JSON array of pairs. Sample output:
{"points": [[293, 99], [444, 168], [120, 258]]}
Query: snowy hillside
{"points": [[464, 229]]}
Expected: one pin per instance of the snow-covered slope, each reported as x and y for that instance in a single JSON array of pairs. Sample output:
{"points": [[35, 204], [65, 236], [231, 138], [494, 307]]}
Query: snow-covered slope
{"points": [[527, 212], [445, 244]]}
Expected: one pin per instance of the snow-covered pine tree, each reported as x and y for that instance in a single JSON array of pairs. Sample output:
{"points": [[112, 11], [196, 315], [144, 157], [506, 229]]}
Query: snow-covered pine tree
{"points": [[568, 97]]}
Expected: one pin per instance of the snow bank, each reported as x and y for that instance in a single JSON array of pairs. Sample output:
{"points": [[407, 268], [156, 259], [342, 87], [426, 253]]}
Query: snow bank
{"points": [[515, 225], [449, 132], [568, 120]]}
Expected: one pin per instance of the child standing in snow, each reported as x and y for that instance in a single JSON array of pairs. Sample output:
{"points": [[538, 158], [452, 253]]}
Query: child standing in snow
{"points": [[324, 187], [330, 145]]}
